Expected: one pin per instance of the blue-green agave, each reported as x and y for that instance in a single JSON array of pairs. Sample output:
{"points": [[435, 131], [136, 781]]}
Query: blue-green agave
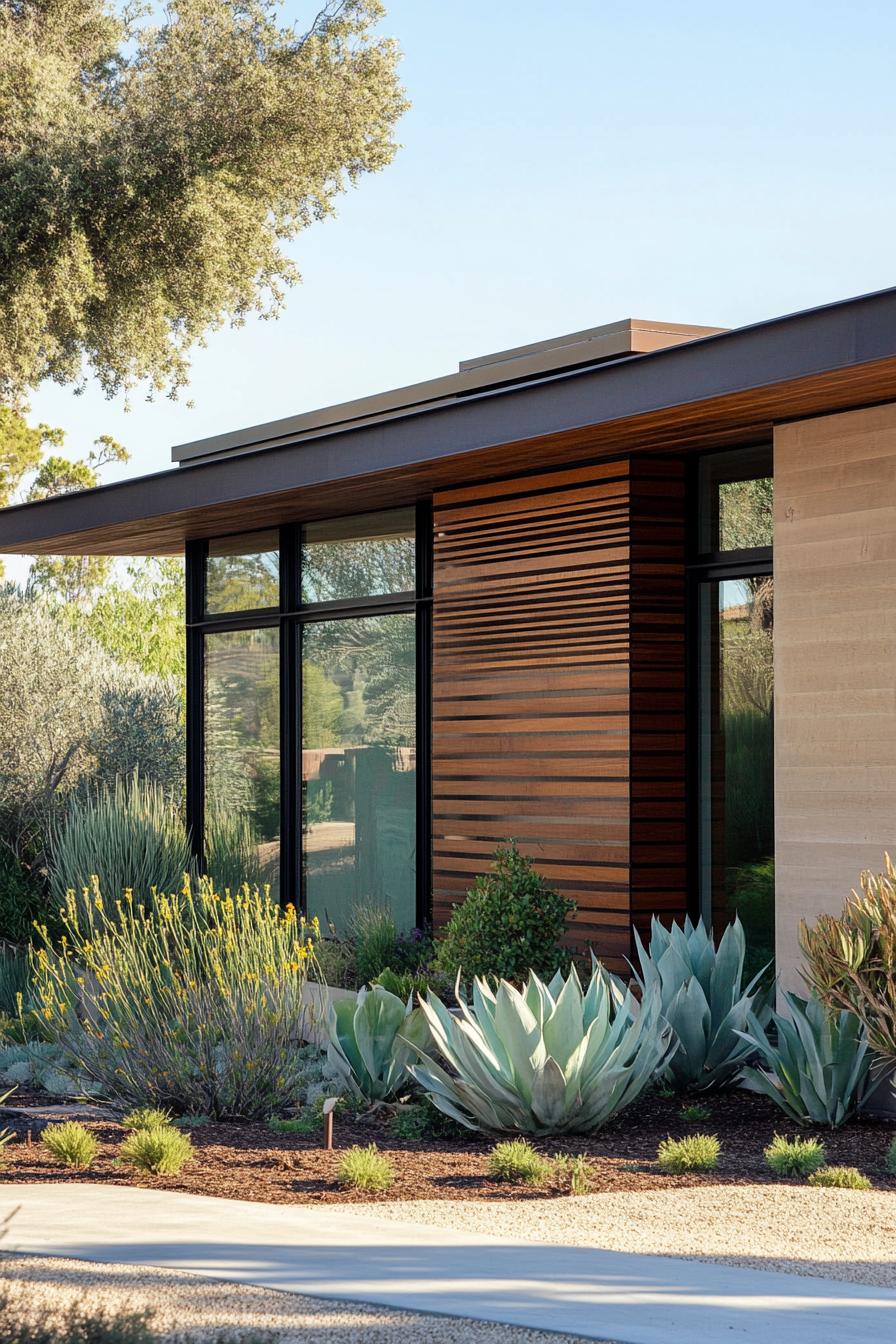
{"points": [[547, 1059], [365, 1047], [703, 998], [817, 1072]]}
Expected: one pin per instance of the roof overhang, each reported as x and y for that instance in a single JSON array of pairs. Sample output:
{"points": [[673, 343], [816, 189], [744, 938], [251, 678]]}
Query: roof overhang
{"points": [[716, 391]]}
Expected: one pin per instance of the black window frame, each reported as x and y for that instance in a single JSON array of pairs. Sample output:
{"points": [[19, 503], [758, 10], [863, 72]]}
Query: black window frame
{"points": [[702, 568], [290, 616]]}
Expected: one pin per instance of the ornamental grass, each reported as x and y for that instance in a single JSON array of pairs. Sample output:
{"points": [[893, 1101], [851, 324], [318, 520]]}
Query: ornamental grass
{"points": [[193, 1002]]}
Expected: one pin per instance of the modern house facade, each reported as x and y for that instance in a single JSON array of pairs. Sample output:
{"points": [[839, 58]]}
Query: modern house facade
{"points": [[627, 597]]}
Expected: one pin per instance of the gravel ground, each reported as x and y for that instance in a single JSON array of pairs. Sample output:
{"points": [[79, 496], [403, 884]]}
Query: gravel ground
{"points": [[189, 1306], [831, 1234]]}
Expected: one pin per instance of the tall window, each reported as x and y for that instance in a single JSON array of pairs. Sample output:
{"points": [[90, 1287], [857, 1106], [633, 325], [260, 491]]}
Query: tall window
{"points": [[305, 649], [734, 600]]}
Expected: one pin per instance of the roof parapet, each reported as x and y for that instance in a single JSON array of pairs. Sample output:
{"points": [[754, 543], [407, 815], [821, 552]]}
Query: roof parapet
{"points": [[594, 345]]}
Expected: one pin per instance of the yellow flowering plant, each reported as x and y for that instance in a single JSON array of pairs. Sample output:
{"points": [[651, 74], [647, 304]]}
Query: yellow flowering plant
{"points": [[195, 1001]]}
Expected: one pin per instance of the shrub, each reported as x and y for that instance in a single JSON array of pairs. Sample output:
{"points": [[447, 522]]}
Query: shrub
{"points": [[510, 923], [307, 1123], [703, 998], [695, 1152], [51, 708], [128, 834], [146, 1117], [374, 935], [192, 1121], [195, 1004], [516, 1160], [24, 1324], [840, 1178], [7, 1136], [545, 1060], [795, 1157], [372, 1041], [336, 963], [15, 978], [574, 1171], [423, 1120], [851, 959], [365, 1169], [890, 1158], [695, 1113], [231, 848], [140, 729], [817, 1070], [21, 901], [74, 1325], [163, 1151], [401, 983], [71, 1144]]}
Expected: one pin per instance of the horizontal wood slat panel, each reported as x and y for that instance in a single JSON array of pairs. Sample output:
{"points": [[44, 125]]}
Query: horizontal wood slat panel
{"points": [[531, 731], [556, 597]]}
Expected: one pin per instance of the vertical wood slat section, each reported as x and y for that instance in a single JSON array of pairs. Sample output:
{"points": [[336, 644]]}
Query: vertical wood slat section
{"points": [[657, 679], [556, 598]]}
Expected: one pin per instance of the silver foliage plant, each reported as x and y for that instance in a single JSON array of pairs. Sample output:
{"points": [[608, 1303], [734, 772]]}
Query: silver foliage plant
{"points": [[703, 998], [372, 1039], [817, 1072], [547, 1059]]}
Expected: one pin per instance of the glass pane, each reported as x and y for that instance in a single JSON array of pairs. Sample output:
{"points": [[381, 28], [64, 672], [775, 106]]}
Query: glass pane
{"points": [[359, 557], [359, 767], [736, 495], [243, 573], [242, 757], [737, 747]]}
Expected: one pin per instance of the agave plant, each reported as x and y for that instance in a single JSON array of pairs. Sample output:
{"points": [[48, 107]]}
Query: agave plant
{"points": [[547, 1059], [703, 998], [365, 1047], [818, 1070]]}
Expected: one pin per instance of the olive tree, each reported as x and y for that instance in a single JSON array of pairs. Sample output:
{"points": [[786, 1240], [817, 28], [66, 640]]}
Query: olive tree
{"points": [[151, 172]]}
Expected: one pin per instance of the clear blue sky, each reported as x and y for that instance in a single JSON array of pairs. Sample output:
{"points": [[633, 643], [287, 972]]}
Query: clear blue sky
{"points": [[565, 165]]}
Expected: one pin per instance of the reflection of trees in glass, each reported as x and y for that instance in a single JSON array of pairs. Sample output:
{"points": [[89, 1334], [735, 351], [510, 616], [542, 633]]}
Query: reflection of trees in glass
{"points": [[321, 707], [371, 660], [745, 514], [747, 722], [747, 636], [359, 566], [242, 725], [242, 582]]}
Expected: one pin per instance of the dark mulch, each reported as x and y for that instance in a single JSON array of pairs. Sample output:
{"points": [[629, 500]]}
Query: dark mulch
{"points": [[248, 1161]]}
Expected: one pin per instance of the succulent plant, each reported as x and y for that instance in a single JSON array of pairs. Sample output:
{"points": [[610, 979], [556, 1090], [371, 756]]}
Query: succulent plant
{"points": [[365, 1047], [547, 1059], [851, 958], [703, 998], [817, 1071]]}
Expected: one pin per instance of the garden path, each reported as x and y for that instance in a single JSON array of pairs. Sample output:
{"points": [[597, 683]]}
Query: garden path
{"points": [[336, 1253]]}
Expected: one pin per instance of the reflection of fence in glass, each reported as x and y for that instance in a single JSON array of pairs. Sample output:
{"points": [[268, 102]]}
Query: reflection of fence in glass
{"points": [[359, 830]]}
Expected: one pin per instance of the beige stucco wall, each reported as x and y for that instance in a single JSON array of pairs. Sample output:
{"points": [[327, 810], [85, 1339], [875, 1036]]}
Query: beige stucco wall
{"points": [[835, 662]]}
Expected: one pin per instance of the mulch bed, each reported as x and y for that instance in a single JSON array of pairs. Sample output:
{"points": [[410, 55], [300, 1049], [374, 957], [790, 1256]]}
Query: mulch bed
{"points": [[248, 1161]]}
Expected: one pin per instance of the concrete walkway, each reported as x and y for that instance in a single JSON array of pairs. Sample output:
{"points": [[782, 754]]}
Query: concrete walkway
{"points": [[331, 1252]]}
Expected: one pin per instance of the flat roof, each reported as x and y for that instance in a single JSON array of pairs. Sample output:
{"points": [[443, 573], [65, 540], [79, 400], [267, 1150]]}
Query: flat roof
{"points": [[615, 340], [713, 391]]}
